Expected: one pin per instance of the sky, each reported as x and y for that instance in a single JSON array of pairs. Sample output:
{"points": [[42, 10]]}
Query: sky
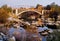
{"points": [[27, 3]]}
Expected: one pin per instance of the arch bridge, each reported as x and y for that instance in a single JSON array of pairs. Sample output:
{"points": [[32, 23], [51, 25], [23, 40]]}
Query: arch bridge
{"points": [[28, 11]]}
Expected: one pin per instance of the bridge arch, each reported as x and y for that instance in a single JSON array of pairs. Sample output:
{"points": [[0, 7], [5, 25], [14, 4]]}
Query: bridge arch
{"points": [[30, 10]]}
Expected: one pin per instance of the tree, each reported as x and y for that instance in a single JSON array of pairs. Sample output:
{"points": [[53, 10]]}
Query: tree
{"points": [[55, 7], [8, 9], [55, 10], [37, 5], [48, 7], [3, 16]]}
